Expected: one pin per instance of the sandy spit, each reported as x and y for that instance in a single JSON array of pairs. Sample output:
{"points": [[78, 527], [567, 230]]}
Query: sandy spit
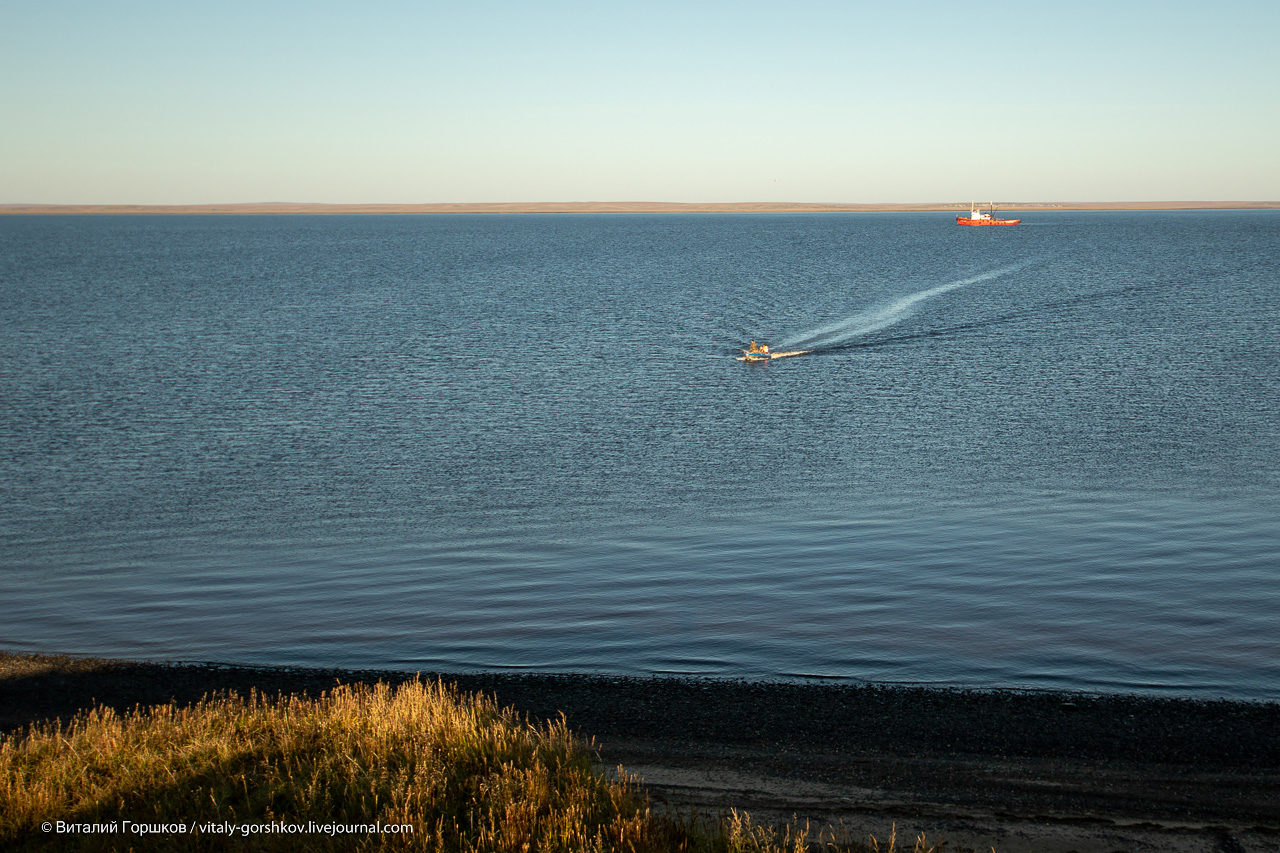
{"points": [[613, 207]]}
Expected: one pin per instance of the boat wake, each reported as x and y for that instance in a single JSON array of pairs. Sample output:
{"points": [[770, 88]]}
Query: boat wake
{"points": [[875, 319]]}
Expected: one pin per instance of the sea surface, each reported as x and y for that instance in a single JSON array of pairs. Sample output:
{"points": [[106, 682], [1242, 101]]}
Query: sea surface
{"points": [[1044, 457]]}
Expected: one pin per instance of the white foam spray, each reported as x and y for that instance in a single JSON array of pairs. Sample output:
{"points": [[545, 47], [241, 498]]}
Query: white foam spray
{"points": [[881, 317]]}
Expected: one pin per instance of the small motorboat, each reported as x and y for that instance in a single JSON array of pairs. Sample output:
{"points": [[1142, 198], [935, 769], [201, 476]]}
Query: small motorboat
{"points": [[756, 352]]}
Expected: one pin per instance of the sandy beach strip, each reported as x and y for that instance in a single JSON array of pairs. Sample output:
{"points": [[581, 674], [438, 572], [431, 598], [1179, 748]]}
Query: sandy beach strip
{"points": [[612, 207], [1020, 770]]}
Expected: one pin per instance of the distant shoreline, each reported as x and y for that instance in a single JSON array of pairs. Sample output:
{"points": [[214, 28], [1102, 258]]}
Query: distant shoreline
{"points": [[610, 207]]}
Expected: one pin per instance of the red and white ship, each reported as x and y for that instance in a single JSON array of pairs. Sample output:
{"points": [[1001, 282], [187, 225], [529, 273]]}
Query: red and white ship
{"points": [[977, 217]]}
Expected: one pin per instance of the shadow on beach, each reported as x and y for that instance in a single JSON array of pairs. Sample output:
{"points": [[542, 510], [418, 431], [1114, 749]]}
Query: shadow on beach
{"points": [[969, 765]]}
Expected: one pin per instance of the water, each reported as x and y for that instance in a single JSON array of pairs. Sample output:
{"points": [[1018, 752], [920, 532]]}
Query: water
{"points": [[1042, 456]]}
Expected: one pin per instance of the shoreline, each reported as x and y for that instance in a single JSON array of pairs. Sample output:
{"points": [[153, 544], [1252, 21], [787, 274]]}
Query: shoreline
{"points": [[602, 207], [1021, 770]]}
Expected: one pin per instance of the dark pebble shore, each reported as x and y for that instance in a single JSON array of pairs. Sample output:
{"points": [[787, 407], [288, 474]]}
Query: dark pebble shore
{"points": [[1119, 756], [872, 718]]}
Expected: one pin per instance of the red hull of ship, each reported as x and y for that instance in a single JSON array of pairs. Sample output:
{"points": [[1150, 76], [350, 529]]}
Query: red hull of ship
{"points": [[964, 220]]}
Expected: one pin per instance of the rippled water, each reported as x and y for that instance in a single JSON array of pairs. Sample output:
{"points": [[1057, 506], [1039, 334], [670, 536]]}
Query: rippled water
{"points": [[1037, 456]]}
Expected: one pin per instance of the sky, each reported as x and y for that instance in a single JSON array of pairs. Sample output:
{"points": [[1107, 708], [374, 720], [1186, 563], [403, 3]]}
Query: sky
{"points": [[484, 101]]}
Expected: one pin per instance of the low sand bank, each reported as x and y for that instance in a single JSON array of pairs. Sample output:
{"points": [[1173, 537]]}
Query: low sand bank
{"points": [[1017, 770], [615, 207]]}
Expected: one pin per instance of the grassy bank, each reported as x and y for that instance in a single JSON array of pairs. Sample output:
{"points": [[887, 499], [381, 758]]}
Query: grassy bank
{"points": [[428, 767]]}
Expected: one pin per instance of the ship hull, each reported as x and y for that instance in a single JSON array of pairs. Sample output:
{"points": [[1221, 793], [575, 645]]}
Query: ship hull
{"points": [[964, 220]]}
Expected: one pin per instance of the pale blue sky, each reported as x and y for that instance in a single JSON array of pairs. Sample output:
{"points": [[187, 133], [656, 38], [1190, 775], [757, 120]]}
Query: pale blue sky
{"points": [[171, 102]]}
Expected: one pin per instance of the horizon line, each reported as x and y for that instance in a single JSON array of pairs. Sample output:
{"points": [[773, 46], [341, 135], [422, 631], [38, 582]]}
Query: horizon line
{"points": [[610, 207]]}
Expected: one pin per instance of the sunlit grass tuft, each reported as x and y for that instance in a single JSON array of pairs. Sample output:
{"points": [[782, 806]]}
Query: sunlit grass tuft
{"points": [[457, 772]]}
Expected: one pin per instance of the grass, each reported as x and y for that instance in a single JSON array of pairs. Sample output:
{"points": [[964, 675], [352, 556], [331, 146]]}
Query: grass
{"points": [[446, 771]]}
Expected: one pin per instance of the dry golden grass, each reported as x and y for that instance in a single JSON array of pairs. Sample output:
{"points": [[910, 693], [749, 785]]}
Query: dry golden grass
{"points": [[462, 773], [456, 772]]}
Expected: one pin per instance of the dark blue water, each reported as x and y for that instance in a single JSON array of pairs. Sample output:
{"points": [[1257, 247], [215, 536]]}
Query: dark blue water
{"points": [[1043, 456]]}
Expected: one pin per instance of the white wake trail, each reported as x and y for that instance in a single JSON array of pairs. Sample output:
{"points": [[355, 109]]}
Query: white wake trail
{"points": [[875, 319]]}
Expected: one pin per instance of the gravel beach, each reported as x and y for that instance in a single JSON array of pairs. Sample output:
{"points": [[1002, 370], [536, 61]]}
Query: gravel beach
{"points": [[1013, 770]]}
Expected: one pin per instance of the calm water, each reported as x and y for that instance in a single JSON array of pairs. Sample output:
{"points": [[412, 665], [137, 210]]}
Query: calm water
{"points": [[1043, 456]]}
